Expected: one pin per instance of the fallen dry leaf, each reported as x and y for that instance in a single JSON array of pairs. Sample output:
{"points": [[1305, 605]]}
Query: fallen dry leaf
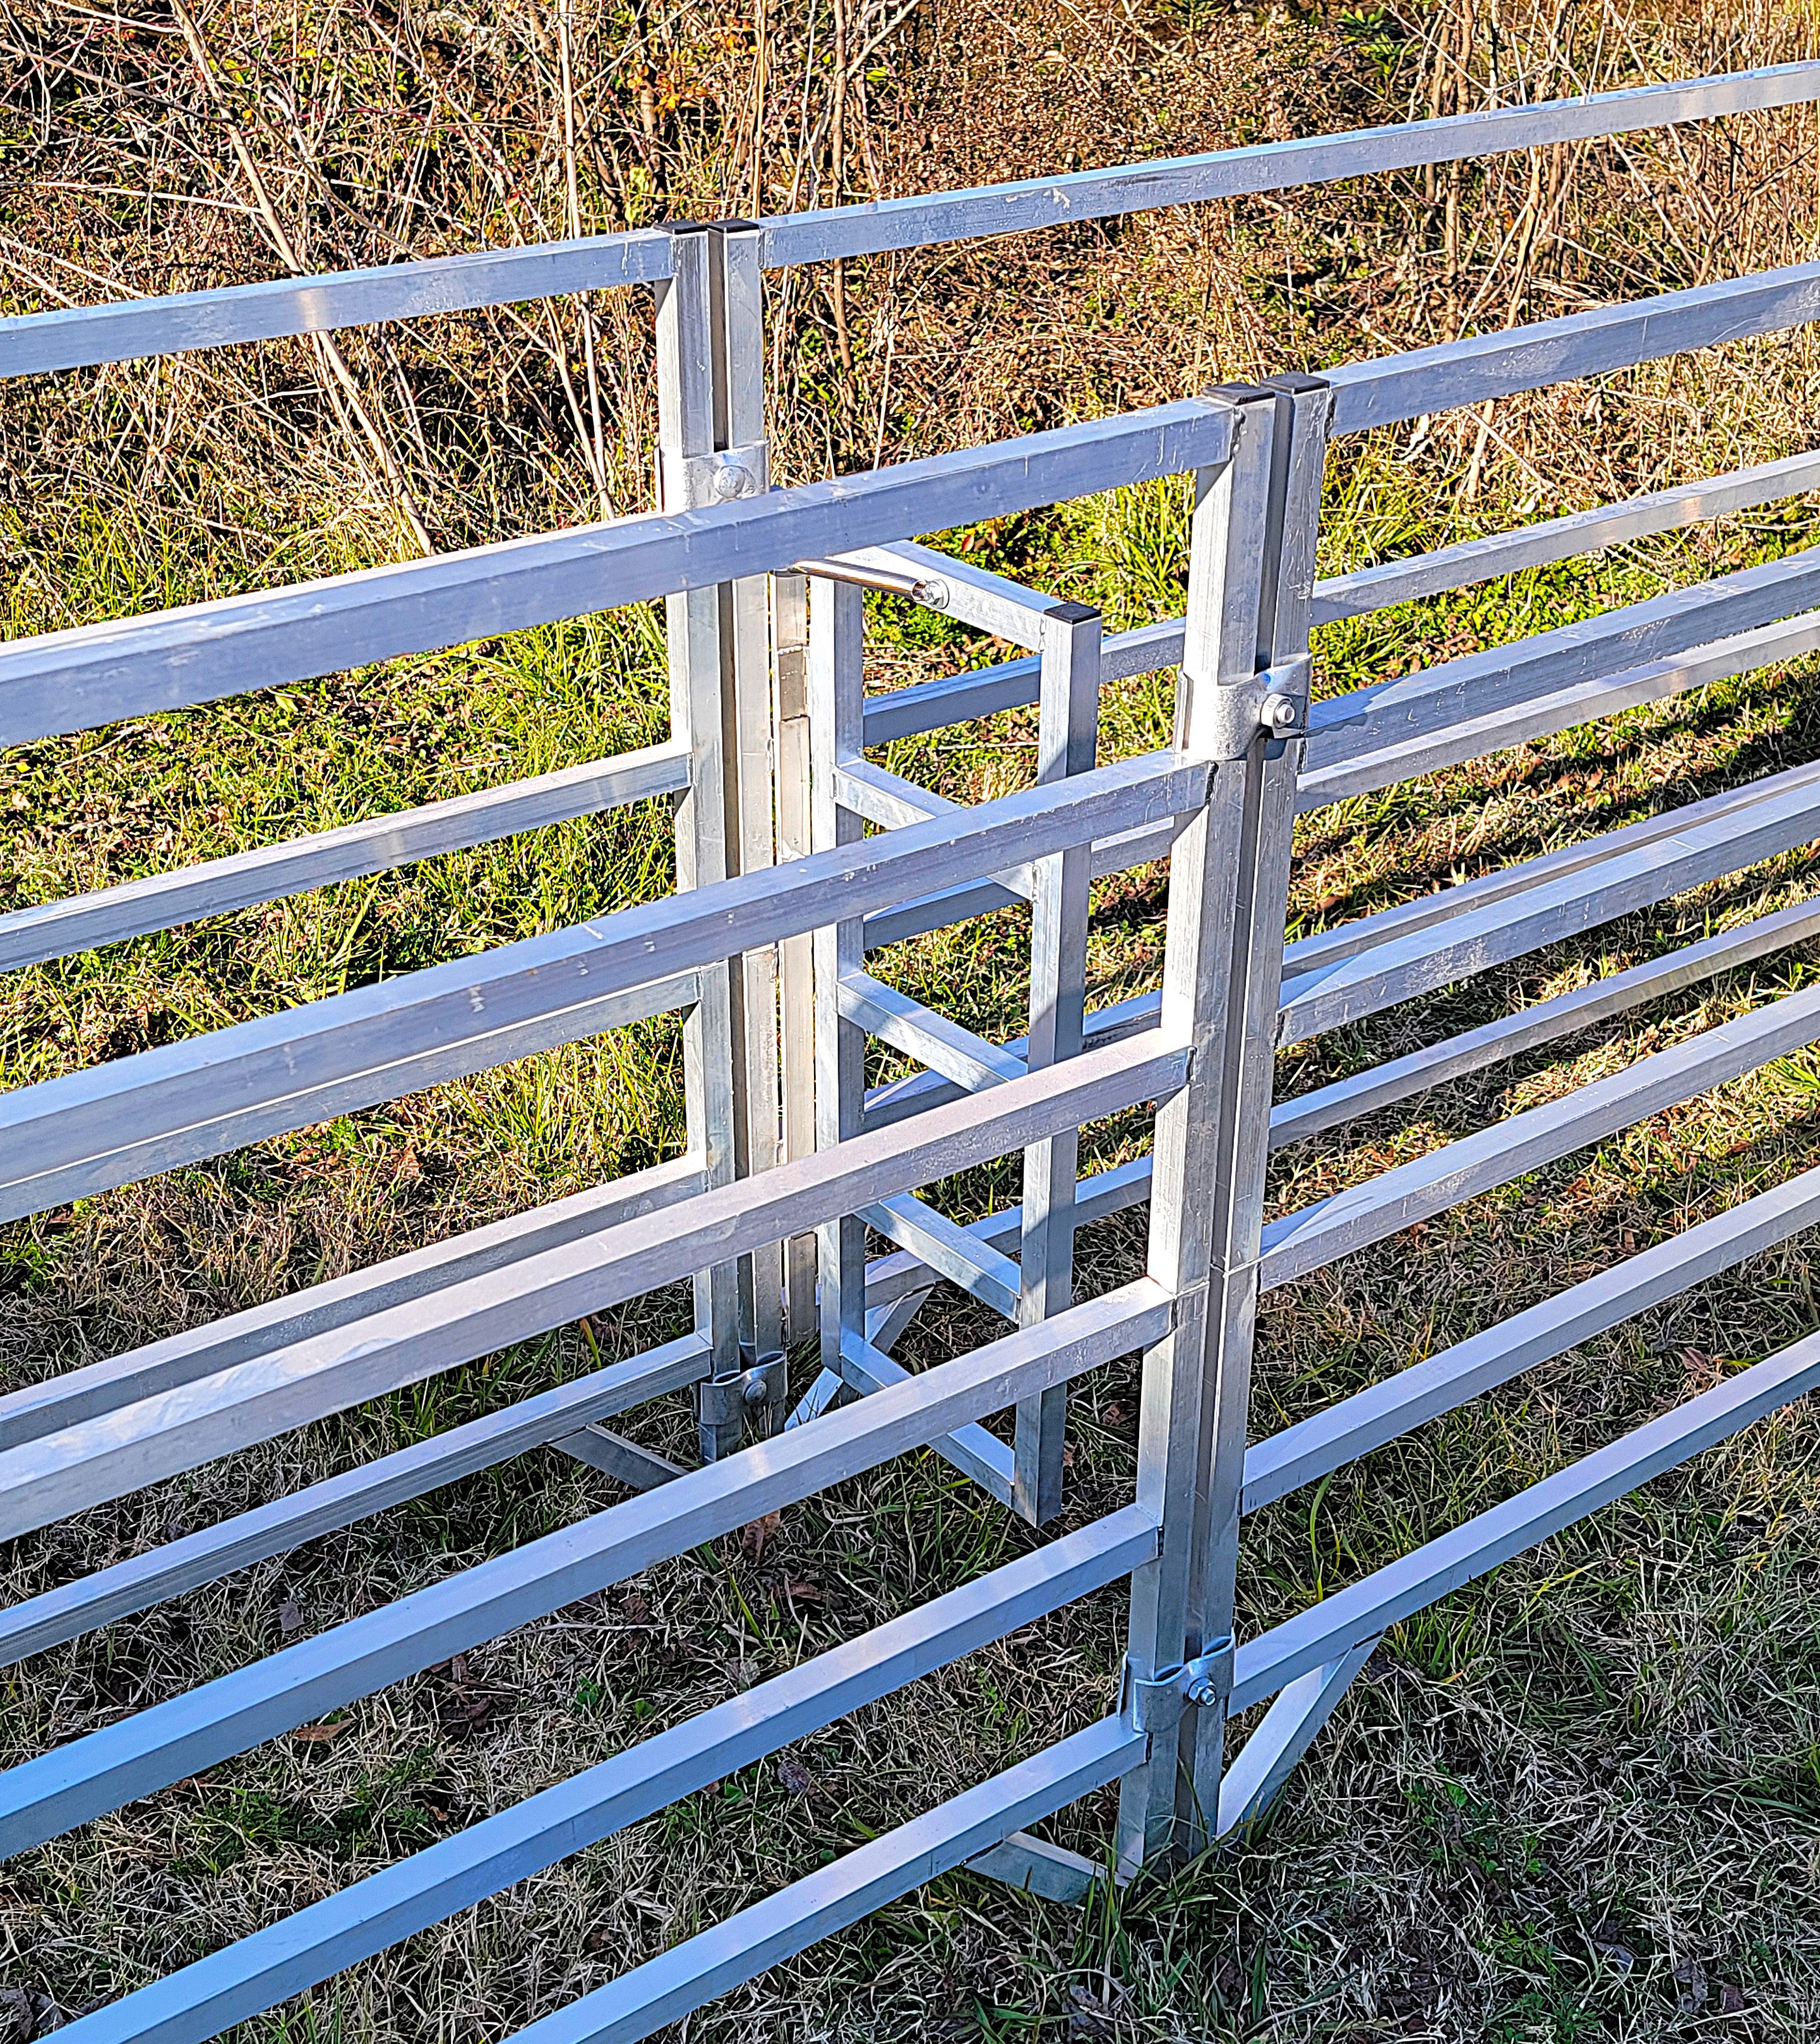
{"points": [[1091, 2020], [803, 1592], [1703, 1370], [755, 1538], [797, 1778], [1690, 1975], [319, 1735], [1608, 1941]]}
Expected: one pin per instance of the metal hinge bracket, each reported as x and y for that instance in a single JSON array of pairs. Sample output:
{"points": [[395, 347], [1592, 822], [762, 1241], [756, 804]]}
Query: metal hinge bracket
{"points": [[695, 481], [1274, 702], [1205, 1681]]}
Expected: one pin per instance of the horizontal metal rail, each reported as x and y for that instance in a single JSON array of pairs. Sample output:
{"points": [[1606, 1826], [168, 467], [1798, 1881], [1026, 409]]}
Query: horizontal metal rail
{"points": [[1294, 1119], [1440, 745], [1117, 854], [1315, 1236], [1391, 714], [1357, 967], [1507, 926], [927, 706], [82, 1393], [257, 1973], [97, 674], [82, 922], [147, 1751], [79, 337], [99, 1598], [1381, 1086], [130, 1446], [124, 330], [1307, 959], [1388, 389], [889, 224], [1367, 589], [657, 1993], [184, 1108], [1378, 1086], [1124, 1185], [1316, 1636], [1409, 1398], [69, 1136]]}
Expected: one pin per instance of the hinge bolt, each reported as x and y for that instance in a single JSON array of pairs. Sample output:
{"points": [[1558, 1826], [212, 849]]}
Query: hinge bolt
{"points": [[1280, 713], [729, 483]]}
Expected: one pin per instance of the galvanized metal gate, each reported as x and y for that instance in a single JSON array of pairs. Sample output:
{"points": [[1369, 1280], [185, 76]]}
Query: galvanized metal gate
{"points": [[791, 1165]]}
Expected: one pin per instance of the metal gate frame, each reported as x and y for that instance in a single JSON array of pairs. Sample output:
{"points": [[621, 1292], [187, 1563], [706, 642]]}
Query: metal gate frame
{"points": [[791, 1164]]}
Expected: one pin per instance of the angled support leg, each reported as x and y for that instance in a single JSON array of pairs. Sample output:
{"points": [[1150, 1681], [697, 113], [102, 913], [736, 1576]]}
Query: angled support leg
{"points": [[884, 1325], [1285, 1732], [1040, 1868], [601, 1448]]}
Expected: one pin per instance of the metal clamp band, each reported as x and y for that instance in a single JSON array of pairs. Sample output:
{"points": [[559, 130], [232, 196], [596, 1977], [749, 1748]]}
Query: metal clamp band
{"points": [[695, 481], [1206, 1682], [1274, 702]]}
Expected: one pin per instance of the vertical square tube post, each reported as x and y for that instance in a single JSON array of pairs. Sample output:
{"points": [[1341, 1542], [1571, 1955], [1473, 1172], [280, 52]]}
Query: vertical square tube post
{"points": [[795, 956], [737, 277], [1067, 742], [711, 449], [1251, 576], [837, 709]]}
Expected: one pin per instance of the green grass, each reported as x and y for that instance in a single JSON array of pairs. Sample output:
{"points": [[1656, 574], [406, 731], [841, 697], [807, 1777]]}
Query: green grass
{"points": [[1558, 1805]]}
